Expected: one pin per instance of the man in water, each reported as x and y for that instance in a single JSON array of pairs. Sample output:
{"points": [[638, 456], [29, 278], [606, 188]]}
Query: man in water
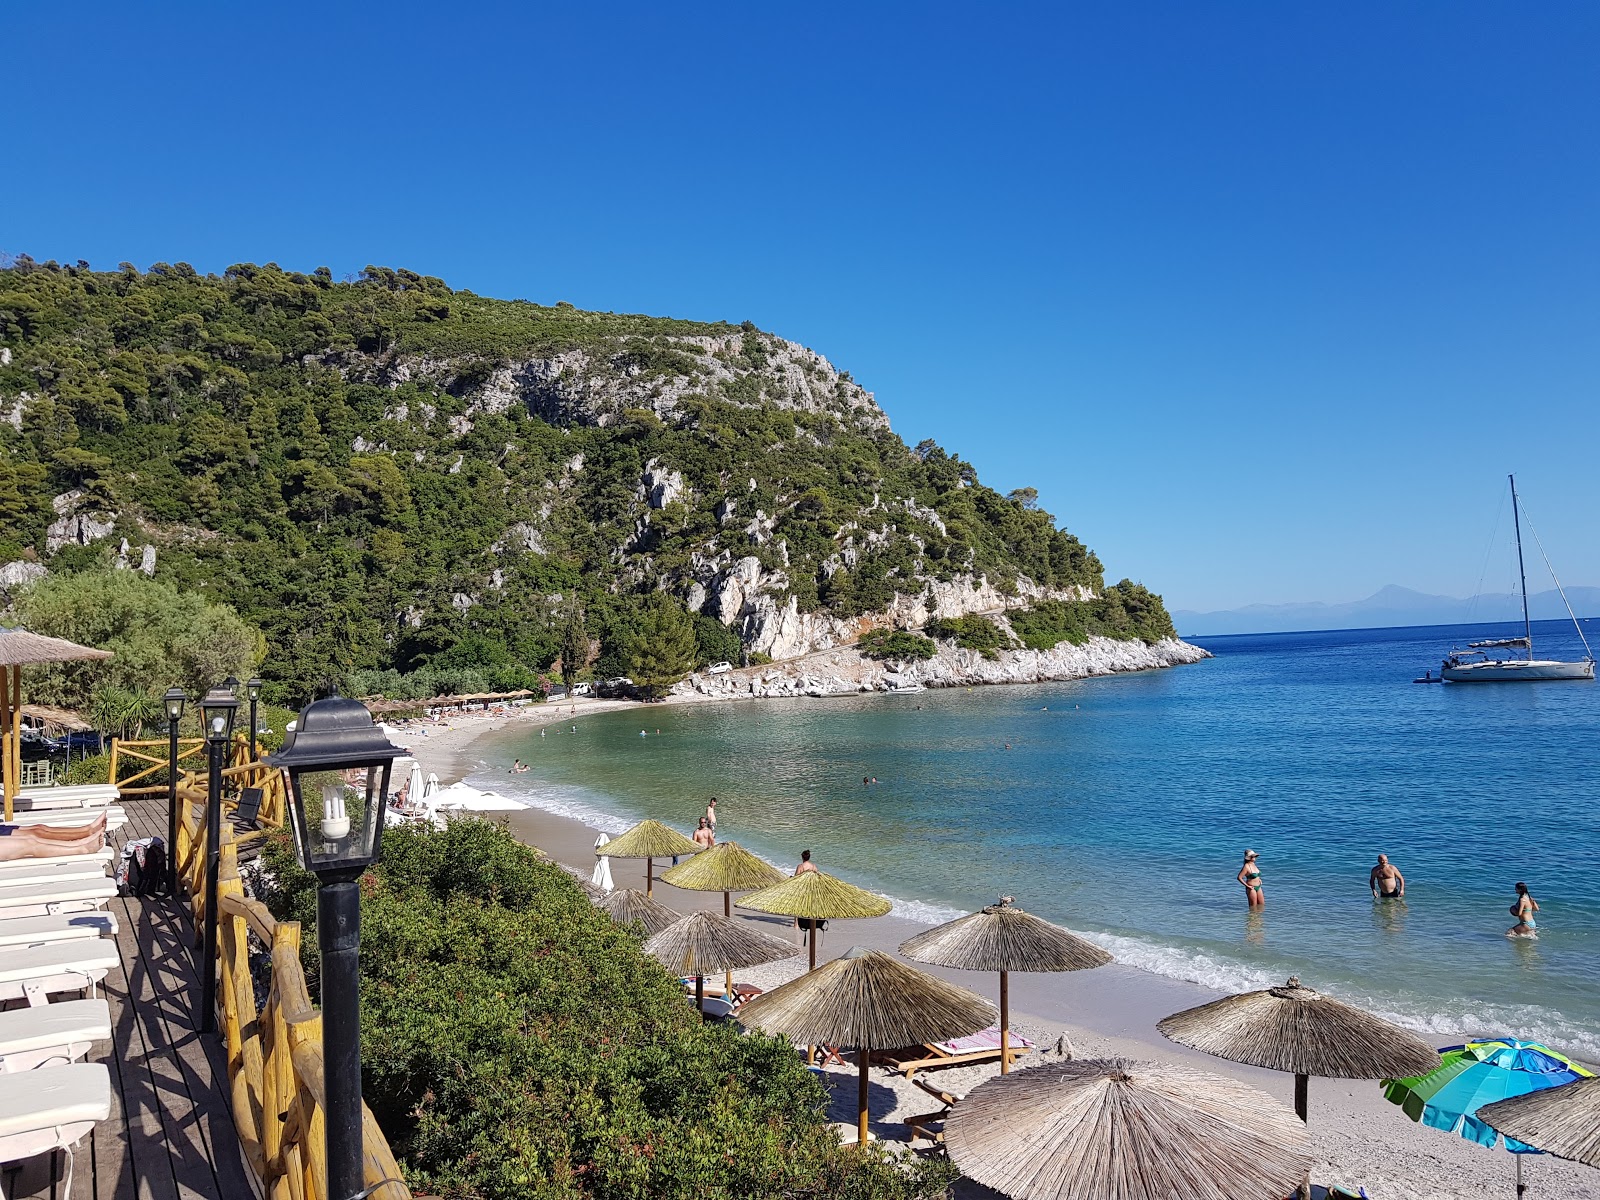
{"points": [[711, 814], [704, 835], [1386, 881]]}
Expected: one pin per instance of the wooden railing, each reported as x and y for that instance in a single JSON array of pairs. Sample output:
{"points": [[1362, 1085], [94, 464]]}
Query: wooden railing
{"points": [[275, 1051]]}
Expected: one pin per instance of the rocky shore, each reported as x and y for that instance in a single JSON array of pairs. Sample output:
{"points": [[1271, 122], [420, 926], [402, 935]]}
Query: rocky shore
{"points": [[844, 671]]}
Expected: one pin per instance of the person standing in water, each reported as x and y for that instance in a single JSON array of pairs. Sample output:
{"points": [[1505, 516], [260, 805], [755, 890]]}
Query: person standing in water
{"points": [[704, 835], [711, 814], [1523, 911], [1386, 881], [1250, 876]]}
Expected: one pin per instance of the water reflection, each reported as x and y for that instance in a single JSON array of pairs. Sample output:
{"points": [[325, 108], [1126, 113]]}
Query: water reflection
{"points": [[1389, 916], [1255, 927]]}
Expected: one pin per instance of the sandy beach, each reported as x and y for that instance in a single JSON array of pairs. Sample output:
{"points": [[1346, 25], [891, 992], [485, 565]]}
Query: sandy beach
{"points": [[1360, 1140]]}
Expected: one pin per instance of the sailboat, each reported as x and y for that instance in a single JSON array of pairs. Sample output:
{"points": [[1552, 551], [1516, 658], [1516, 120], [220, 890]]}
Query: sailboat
{"points": [[1476, 665]]}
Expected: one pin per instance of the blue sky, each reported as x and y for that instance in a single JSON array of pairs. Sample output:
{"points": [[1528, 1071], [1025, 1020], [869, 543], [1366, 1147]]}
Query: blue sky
{"points": [[1264, 299]]}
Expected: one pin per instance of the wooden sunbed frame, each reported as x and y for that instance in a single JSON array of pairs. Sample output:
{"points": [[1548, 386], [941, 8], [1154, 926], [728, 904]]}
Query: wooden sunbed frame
{"points": [[931, 1125], [910, 1059]]}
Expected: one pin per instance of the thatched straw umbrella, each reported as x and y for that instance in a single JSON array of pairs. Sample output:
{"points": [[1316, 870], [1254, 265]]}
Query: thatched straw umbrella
{"points": [[869, 1000], [627, 905], [704, 942], [648, 840], [1563, 1121], [1005, 939], [727, 868], [1089, 1129], [817, 896], [18, 649]]}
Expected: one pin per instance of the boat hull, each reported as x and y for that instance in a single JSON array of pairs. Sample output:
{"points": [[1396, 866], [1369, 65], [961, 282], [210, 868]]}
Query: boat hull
{"points": [[1517, 671]]}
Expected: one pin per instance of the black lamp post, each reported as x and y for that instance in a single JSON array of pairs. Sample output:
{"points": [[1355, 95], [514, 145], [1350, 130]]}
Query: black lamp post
{"points": [[217, 708], [338, 830], [174, 700], [253, 690]]}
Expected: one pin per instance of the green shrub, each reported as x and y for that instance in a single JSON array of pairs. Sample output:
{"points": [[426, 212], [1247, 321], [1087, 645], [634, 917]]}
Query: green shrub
{"points": [[880, 643], [971, 633], [517, 1045], [1125, 611]]}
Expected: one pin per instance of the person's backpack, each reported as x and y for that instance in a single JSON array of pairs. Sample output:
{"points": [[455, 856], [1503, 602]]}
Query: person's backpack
{"points": [[142, 870]]}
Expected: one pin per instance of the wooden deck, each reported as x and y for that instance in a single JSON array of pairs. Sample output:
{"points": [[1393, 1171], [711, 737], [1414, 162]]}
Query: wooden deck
{"points": [[171, 1132]]}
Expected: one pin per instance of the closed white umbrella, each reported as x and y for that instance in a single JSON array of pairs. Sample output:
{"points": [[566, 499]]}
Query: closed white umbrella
{"points": [[602, 867], [416, 788], [433, 785]]}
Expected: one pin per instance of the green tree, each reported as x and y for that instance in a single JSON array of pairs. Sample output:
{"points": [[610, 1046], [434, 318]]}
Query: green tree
{"points": [[158, 637], [661, 645], [574, 643]]}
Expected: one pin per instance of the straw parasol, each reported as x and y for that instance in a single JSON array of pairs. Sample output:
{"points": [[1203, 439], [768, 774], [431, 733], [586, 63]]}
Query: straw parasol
{"points": [[704, 942], [51, 717], [627, 905], [1087, 1129], [727, 867], [1563, 1121], [1005, 939], [869, 1000], [649, 840], [18, 649], [817, 896]]}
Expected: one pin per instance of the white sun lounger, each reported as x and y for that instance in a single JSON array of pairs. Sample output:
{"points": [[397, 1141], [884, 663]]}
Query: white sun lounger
{"points": [[104, 855], [73, 818], [53, 1035], [37, 931], [35, 973], [89, 795], [28, 874], [49, 899], [51, 1109]]}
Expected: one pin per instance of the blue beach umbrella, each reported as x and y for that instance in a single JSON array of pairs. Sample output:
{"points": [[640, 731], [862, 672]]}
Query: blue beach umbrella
{"points": [[1477, 1074]]}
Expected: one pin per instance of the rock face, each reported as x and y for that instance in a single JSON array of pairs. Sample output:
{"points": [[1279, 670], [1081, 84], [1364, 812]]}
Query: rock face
{"points": [[843, 671], [74, 526]]}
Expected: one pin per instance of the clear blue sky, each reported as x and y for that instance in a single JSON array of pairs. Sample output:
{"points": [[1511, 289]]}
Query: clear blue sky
{"points": [[1265, 299]]}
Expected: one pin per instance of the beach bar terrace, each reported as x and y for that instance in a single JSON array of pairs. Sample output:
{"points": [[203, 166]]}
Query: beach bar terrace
{"points": [[228, 1115]]}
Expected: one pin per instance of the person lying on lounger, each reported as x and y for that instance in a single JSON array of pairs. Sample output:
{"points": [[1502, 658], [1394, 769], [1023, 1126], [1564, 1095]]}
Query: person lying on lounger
{"points": [[46, 841]]}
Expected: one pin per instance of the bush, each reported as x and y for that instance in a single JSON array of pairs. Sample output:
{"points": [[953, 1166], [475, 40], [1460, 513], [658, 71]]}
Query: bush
{"points": [[880, 643], [971, 633], [517, 1045], [1124, 611]]}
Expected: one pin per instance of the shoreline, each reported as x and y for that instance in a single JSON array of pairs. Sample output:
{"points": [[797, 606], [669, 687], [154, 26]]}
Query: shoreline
{"points": [[1359, 1138]]}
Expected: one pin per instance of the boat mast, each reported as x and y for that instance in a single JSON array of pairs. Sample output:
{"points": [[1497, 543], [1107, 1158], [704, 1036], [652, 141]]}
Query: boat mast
{"points": [[1522, 573]]}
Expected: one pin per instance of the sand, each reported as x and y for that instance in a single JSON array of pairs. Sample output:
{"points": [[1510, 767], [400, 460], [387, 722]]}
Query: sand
{"points": [[1359, 1138]]}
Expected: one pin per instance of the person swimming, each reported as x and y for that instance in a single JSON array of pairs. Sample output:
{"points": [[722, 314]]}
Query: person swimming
{"points": [[1250, 876], [1523, 911]]}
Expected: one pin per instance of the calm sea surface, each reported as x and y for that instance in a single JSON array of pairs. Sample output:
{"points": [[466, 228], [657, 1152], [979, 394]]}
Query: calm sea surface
{"points": [[1123, 805]]}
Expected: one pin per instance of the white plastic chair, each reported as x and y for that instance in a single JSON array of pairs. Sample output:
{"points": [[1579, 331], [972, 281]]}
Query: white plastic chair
{"points": [[51, 1109], [51, 1035], [35, 973]]}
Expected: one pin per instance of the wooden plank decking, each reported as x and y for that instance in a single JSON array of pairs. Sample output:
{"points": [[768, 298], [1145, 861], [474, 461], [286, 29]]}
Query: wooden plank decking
{"points": [[171, 1134]]}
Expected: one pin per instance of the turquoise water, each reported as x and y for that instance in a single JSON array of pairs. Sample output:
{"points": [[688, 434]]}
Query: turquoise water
{"points": [[1124, 804]]}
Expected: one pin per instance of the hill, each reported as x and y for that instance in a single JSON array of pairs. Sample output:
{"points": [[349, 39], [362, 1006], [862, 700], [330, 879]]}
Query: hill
{"points": [[386, 474], [1388, 607]]}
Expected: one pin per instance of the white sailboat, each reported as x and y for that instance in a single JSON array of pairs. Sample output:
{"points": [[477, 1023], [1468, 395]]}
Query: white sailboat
{"points": [[1476, 665]]}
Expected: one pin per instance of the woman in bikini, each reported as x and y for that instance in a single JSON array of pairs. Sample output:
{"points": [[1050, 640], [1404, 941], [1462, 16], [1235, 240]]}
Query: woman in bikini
{"points": [[1250, 876], [1523, 911]]}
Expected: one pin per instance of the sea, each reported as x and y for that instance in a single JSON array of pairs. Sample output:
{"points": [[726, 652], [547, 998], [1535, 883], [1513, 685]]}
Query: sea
{"points": [[1121, 806]]}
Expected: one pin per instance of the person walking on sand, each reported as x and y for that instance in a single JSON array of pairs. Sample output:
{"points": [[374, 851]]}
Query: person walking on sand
{"points": [[806, 864], [1250, 876], [1523, 911], [711, 814], [704, 836], [1386, 881]]}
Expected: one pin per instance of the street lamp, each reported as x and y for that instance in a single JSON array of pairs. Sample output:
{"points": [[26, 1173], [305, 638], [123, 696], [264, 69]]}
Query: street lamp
{"points": [[337, 819], [175, 700], [253, 690], [217, 709]]}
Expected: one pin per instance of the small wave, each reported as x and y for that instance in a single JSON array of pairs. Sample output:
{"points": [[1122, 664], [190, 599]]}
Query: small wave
{"points": [[922, 912], [1192, 966], [561, 802]]}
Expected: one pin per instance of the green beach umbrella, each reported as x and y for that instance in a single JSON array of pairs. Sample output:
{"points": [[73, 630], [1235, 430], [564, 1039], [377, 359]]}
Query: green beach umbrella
{"points": [[817, 896], [648, 840]]}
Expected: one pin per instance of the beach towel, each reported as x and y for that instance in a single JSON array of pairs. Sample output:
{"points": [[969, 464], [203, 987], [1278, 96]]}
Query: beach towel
{"points": [[602, 867], [984, 1039]]}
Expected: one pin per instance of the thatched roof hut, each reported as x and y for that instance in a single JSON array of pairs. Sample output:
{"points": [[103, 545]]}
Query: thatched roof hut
{"points": [[627, 905], [1114, 1129], [1563, 1121], [1004, 938], [869, 1000], [18, 649]]}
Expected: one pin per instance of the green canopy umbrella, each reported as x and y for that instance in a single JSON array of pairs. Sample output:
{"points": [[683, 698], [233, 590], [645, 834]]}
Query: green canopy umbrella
{"points": [[1004, 939], [648, 840], [817, 896]]}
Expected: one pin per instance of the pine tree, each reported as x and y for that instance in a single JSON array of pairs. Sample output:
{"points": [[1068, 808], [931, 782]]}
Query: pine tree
{"points": [[574, 644], [662, 647]]}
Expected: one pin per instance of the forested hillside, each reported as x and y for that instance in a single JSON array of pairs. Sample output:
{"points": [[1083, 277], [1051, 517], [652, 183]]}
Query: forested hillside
{"points": [[387, 474]]}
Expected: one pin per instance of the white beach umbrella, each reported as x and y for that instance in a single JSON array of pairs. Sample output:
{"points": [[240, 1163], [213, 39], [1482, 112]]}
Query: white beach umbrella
{"points": [[432, 786], [417, 788], [602, 867]]}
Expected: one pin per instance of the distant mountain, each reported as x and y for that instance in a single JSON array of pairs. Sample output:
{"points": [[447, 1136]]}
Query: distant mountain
{"points": [[1387, 607]]}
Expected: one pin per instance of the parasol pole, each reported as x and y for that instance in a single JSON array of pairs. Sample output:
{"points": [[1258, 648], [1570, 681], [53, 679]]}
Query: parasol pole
{"points": [[700, 995], [1005, 1022], [861, 1095], [1521, 1187], [1302, 1109], [727, 911], [649, 874], [7, 735]]}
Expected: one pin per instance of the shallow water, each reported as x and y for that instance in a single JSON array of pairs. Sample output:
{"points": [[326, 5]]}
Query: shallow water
{"points": [[1123, 805]]}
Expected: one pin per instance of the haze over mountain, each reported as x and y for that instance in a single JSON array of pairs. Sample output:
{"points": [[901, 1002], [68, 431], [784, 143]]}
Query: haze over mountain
{"points": [[1388, 606]]}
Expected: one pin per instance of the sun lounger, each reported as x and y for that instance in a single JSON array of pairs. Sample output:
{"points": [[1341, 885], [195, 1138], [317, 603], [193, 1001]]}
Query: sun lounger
{"points": [[930, 1125], [49, 899], [979, 1047], [51, 1109], [102, 856], [73, 818], [37, 931], [29, 873], [35, 973], [89, 795], [54, 1034]]}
